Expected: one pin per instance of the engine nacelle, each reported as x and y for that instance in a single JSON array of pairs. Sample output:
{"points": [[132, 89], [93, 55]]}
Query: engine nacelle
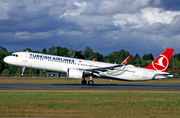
{"points": [[74, 73]]}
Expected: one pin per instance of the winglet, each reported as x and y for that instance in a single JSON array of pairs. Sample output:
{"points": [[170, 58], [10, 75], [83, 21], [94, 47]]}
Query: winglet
{"points": [[162, 61], [94, 59], [126, 60]]}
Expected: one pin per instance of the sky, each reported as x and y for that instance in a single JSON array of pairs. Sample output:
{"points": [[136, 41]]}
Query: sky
{"points": [[137, 26]]}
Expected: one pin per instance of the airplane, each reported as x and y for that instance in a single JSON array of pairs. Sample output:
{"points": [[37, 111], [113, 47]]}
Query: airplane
{"points": [[79, 68]]}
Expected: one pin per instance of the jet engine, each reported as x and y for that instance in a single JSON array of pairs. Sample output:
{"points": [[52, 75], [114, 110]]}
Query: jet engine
{"points": [[74, 73]]}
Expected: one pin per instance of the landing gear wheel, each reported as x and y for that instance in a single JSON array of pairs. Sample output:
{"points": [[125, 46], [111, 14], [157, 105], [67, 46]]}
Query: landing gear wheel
{"points": [[84, 82], [90, 82], [23, 69]]}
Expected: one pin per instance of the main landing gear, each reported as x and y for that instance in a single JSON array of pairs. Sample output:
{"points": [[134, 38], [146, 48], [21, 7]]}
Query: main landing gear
{"points": [[90, 82], [84, 82]]}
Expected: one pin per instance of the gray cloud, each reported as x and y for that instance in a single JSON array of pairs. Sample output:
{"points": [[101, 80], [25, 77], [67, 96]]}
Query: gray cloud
{"points": [[104, 25]]}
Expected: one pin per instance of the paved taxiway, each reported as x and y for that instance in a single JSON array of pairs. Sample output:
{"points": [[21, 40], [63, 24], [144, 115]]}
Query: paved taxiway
{"points": [[123, 86]]}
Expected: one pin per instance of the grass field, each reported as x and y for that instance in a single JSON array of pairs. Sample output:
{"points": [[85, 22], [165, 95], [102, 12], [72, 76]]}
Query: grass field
{"points": [[88, 103], [62, 80]]}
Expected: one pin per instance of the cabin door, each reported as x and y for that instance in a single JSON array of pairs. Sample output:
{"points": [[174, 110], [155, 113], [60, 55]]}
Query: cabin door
{"points": [[145, 73], [25, 57]]}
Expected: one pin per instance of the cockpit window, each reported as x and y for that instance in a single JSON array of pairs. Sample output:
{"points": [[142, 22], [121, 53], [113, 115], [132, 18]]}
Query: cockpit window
{"points": [[15, 55]]}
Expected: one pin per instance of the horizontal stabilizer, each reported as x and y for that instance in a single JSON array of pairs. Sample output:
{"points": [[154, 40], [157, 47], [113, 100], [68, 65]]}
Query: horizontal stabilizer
{"points": [[162, 76]]}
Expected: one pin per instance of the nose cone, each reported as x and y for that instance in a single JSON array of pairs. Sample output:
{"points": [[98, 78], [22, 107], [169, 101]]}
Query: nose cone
{"points": [[7, 60]]}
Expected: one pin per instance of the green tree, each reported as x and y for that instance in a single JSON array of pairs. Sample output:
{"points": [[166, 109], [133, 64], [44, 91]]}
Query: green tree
{"points": [[13, 69], [131, 60], [44, 51], [177, 56], [143, 62], [42, 73], [52, 50], [71, 53], [28, 49], [19, 71], [78, 54], [36, 51], [88, 53], [5, 73], [99, 57], [148, 56], [1, 68], [32, 72], [137, 59], [117, 56], [62, 51], [3, 54]]}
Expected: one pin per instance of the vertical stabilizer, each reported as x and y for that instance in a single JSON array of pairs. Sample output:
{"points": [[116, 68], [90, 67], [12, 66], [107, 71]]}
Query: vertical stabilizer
{"points": [[162, 61]]}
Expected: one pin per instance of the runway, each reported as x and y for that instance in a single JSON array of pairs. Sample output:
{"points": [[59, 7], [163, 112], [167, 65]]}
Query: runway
{"points": [[122, 86]]}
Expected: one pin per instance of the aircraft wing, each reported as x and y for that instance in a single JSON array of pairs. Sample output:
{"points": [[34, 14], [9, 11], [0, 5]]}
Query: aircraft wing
{"points": [[103, 69]]}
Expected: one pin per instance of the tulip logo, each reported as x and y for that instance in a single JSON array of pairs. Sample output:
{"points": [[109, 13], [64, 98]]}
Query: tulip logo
{"points": [[161, 63]]}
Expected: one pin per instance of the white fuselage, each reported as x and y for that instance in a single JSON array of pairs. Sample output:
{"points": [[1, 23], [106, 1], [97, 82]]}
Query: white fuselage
{"points": [[62, 64]]}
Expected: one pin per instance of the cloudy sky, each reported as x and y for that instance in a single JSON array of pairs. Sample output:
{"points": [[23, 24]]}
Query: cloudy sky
{"points": [[137, 26]]}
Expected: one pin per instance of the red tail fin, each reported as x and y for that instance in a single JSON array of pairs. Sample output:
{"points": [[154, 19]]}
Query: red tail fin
{"points": [[162, 61]]}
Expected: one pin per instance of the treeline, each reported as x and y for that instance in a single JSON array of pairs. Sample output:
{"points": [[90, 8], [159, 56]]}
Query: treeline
{"points": [[88, 53]]}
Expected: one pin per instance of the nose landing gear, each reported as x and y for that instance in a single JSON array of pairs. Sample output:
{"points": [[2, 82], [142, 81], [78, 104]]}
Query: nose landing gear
{"points": [[23, 69]]}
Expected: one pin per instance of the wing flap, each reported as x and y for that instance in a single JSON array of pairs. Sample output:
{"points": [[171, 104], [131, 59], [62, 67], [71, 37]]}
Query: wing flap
{"points": [[103, 69]]}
